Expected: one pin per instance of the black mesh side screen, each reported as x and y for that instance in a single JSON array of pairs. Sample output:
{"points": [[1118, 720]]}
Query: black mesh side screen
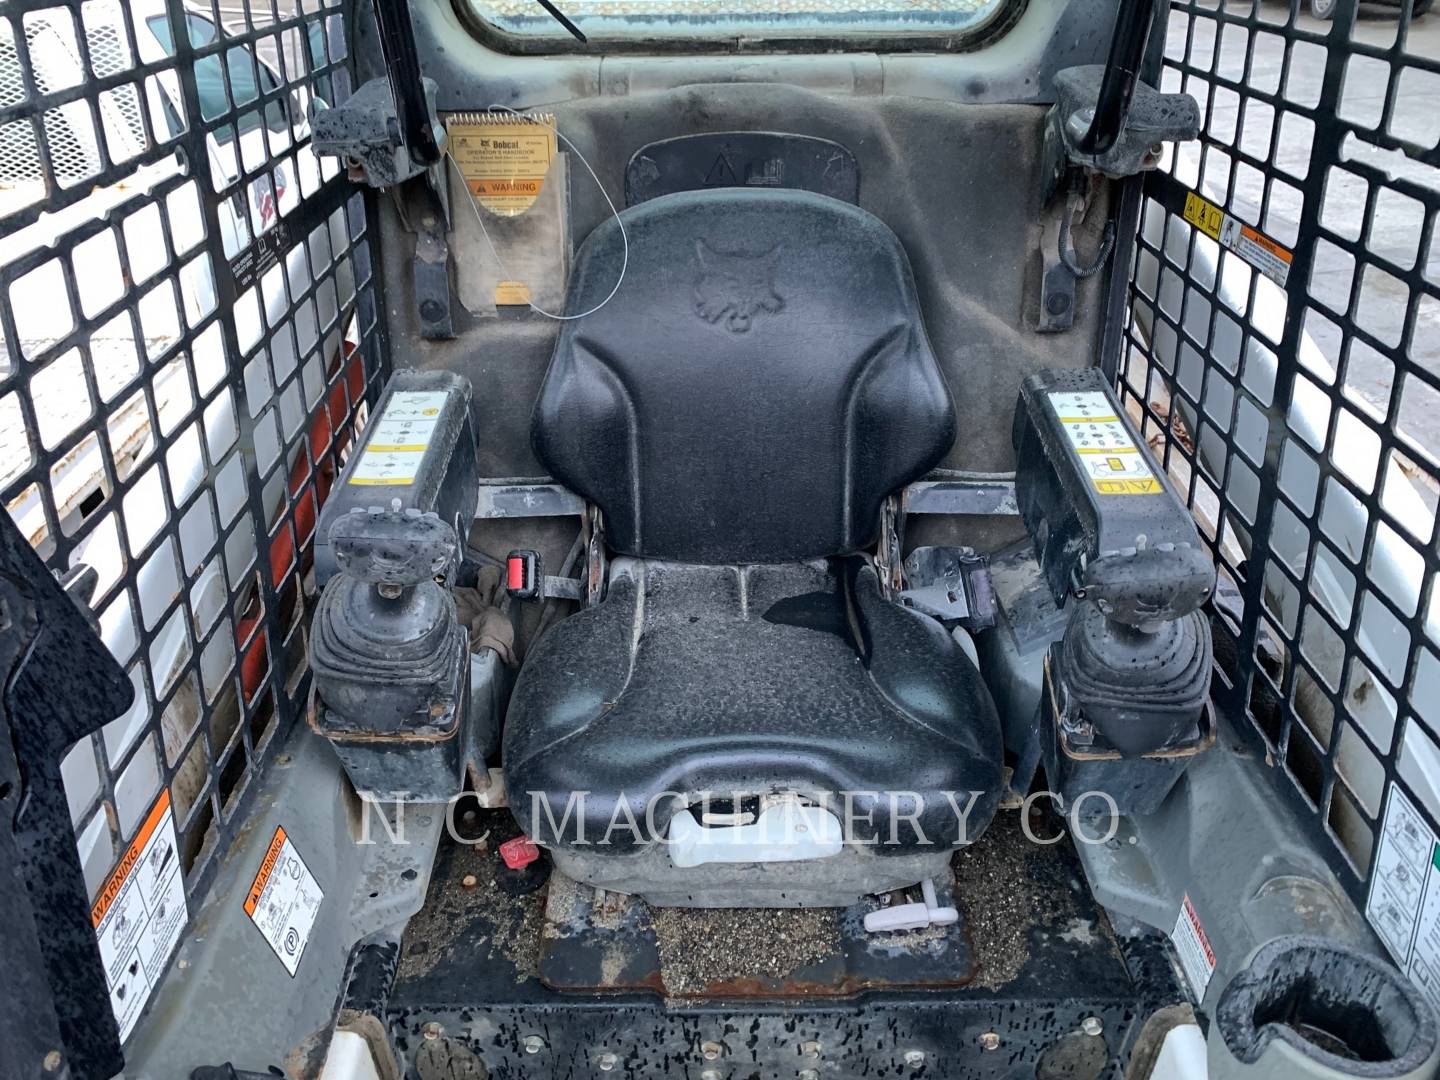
{"points": [[188, 338], [1283, 357]]}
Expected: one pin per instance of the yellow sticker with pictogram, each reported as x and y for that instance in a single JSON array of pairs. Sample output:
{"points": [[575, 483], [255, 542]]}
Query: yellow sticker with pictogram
{"points": [[399, 439], [1271, 259], [1108, 455], [1204, 215]]}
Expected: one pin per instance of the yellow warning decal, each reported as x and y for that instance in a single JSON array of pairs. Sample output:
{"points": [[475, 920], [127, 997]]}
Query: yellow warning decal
{"points": [[1204, 215], [504, 158], [1128, 487], [1108, 455], [1257, 249]]}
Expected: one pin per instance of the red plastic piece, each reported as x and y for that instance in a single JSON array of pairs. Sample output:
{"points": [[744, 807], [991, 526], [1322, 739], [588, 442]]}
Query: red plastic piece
{"points": [[519, 853], [515, 574]]}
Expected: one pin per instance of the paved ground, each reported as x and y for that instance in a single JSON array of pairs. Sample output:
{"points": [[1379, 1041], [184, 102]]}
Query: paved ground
{"points": [[1396, 231]]}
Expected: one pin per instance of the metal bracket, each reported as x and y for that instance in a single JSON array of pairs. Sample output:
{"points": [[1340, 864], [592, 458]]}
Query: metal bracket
{"points": [[363, 131], [950, 584], [503, 499], [425, 208], [979, 494], [596, 563]]}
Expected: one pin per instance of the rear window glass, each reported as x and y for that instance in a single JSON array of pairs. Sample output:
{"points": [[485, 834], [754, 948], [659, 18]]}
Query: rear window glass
{"points": [[631, 22]]}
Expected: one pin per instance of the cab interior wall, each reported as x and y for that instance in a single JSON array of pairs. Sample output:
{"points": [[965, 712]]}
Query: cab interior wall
{"points": [[959, 181]]}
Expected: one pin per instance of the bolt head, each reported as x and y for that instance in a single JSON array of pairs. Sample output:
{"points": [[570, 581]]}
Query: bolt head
{"points": [[53, 1060], [533, 1044], [810, 1049], [607, 1062], [710, 1074], [809, 1074], [432, 1030], [914, 1058], [989, 1041], [1092, 1025], [711, 1050]]}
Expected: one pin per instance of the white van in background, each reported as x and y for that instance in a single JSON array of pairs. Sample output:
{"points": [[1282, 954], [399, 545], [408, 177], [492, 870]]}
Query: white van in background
{"points": [[130, 351]]}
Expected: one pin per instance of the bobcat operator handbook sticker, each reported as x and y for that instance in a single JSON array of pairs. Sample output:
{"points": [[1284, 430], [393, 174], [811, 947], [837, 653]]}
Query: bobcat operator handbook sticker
{"points": [[139, 915], [504, 158]]}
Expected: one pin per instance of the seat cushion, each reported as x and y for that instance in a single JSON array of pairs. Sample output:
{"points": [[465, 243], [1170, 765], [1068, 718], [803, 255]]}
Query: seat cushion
{"points": [[747, 680]]}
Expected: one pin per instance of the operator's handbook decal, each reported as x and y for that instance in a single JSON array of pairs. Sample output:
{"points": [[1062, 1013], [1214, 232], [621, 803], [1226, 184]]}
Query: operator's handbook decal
{"points": [[283, 901]]}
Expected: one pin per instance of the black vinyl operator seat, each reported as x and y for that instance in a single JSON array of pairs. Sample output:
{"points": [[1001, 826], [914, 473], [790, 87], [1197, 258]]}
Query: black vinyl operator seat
{"points": [[739, 412]]}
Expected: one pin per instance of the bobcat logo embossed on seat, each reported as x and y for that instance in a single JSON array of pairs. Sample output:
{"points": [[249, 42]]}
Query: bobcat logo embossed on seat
{"points": [[735, 285]]}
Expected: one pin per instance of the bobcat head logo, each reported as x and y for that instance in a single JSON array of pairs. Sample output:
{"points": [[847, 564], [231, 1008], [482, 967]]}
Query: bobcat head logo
{"points": [[735, 284]]}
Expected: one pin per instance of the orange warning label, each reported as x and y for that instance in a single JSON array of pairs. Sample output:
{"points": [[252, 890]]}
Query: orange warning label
{"points": [[116, 880], [1192, 948], [267, 867], [1265, 242], [506, 187], [284, 900], [1253, 246], [140, 914]]}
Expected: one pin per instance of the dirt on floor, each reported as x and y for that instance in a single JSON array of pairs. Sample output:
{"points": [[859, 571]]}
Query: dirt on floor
{"points": [[467, 910], [702, 947], [1009, 888]]}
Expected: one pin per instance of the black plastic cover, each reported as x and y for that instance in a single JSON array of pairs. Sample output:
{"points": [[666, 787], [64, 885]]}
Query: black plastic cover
{"points": [[759, 384], [1079, 511], [440, 478]]}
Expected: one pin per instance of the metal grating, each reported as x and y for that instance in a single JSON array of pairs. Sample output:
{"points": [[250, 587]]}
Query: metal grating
{"points": [[188, 338], [1301, 420]]}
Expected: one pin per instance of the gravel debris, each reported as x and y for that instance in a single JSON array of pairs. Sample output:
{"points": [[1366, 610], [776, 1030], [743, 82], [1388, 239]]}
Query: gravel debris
{"points": [[1006, 887], [701, 947]]}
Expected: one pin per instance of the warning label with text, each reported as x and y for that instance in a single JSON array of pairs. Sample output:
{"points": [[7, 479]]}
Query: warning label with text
{"points": [[1404, 901], [1257, 249], [140, 914], [283, 901], [1192, 946]]}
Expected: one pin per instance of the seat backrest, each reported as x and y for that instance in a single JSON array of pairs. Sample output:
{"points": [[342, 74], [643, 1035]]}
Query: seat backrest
{"points": [[758, 385]]}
